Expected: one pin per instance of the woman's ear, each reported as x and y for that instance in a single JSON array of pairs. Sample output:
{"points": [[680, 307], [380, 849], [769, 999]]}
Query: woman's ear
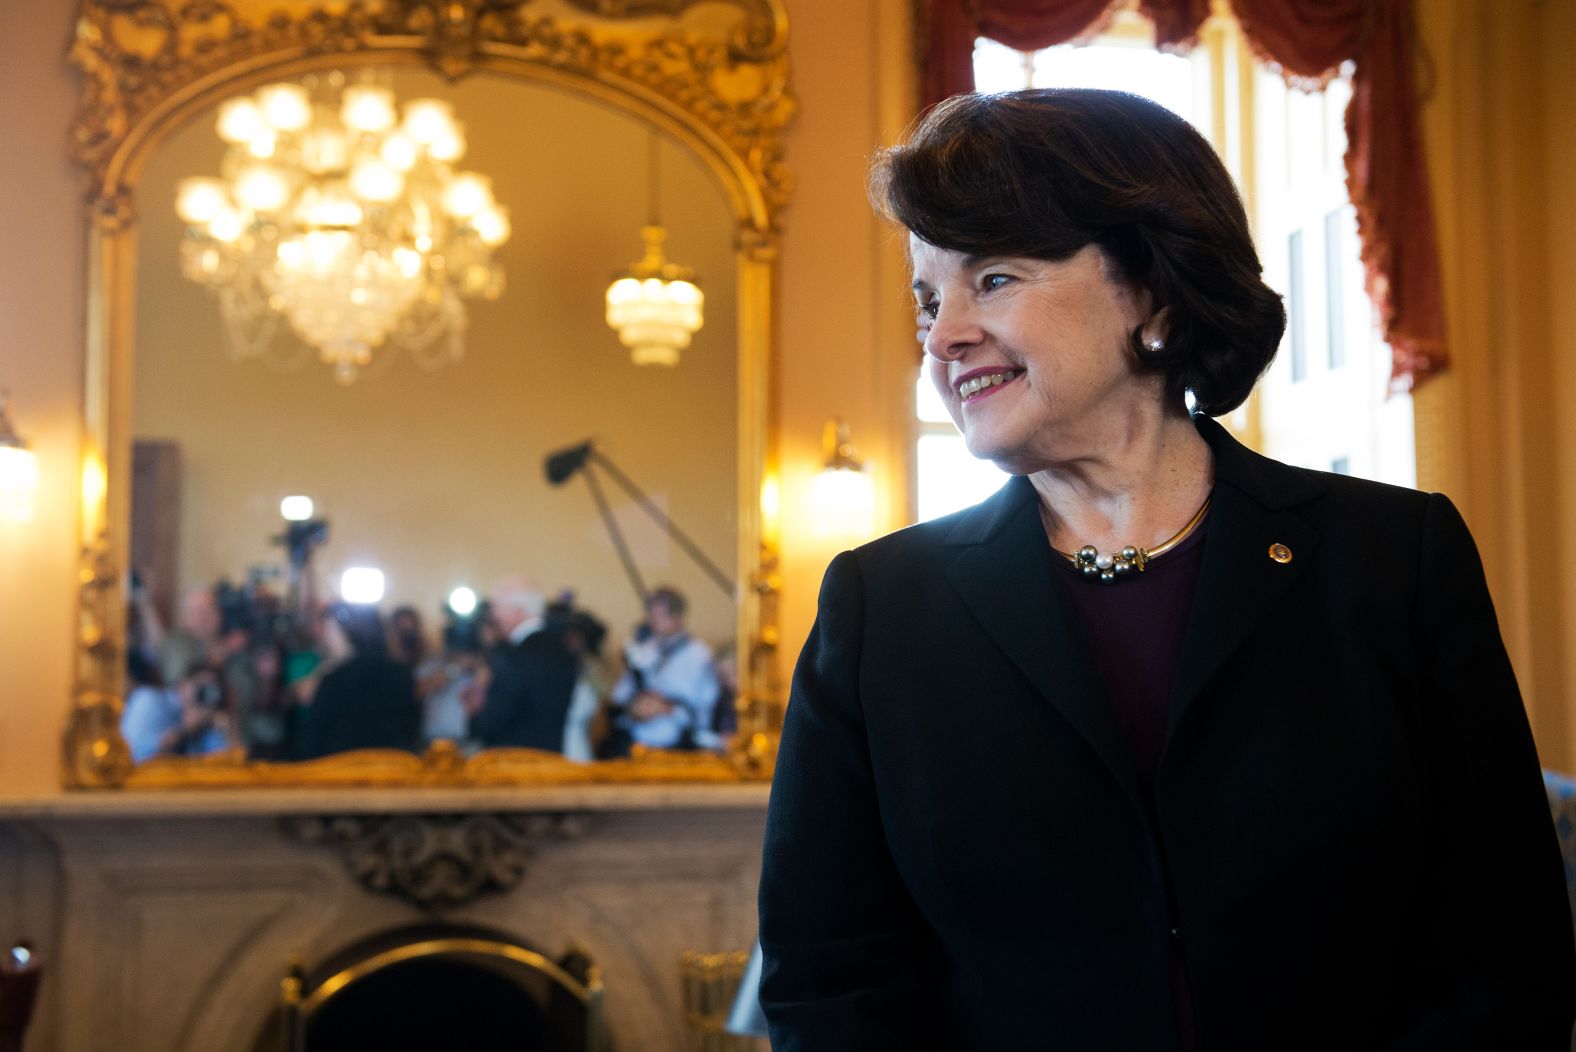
{"points": [[1154, 332]]}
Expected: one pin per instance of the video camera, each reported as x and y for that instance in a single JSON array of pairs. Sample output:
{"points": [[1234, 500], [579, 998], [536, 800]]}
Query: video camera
{"points": [[580, 630], [301, 538]]}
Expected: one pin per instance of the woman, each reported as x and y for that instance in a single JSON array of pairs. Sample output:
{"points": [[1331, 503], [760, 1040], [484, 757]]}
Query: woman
{"points": [[366, 700], [1166, 745]]}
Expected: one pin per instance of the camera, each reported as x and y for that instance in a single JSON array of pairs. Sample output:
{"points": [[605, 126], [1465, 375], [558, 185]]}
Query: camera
{"points": [[580, 630], [463, 632], [209, 695], [300, 538]]}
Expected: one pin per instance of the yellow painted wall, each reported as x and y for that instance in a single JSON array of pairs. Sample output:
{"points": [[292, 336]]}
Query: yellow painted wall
{"points": [[1496, 433], [43, 262], [1556, 34]]}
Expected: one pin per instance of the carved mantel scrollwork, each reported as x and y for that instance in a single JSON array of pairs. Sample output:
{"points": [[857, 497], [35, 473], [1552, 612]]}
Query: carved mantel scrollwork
{"points": [[437, 862]]}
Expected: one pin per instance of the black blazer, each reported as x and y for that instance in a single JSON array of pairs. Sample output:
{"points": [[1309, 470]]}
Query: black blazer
{"points": [[528, 699], [1348, 842], [369, 702]]}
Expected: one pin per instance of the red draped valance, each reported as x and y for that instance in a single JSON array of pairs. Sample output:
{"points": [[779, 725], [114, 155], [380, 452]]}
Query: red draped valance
{"points": [[1386, 174]]}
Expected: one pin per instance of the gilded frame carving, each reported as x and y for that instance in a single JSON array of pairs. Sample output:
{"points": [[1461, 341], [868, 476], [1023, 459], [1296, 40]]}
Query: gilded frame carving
{"points": [[720, 88]]}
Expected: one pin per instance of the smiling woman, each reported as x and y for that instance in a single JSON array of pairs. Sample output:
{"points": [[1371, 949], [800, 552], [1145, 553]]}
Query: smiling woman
{"points": [[1138, 749], [1027, 353]]}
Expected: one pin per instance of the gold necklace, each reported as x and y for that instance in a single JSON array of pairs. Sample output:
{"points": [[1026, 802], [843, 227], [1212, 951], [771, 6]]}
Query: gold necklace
{"points": [[1131, 559]]}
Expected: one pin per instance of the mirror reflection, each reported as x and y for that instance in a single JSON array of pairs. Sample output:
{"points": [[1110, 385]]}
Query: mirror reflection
{"points": [[477, 519]]}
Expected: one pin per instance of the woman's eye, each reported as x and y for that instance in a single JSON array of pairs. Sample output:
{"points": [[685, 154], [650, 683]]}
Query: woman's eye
{"points": [[992, 282], [927, 311]]}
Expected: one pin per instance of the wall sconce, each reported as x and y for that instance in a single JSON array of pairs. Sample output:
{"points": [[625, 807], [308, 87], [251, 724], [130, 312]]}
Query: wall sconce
{"points": [[18, 469], [845, 494]]}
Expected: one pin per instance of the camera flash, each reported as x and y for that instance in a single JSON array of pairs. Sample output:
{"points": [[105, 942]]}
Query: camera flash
{"points": [[296, 509], [361, 584], [462, 601]]}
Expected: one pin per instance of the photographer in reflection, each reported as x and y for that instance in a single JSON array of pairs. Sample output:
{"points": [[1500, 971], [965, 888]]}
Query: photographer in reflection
{"points": [[531, 674], [668, 694], [366, 699], [187, 719], [452, 684]]}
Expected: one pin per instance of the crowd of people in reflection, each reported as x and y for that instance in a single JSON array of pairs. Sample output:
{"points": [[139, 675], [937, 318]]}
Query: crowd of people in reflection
{"points": [[243, 671]]}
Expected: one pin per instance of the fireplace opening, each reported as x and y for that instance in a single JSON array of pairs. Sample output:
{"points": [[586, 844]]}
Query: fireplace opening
{"points": [[441, 986]]}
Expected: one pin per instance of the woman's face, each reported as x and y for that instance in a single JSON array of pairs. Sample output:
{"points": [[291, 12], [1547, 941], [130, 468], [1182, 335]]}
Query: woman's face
{"points": [[1031, 357]]}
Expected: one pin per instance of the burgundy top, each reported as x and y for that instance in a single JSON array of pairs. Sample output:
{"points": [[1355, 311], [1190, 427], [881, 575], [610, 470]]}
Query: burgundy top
{"points": [[1132, 631], [1133, 634]]}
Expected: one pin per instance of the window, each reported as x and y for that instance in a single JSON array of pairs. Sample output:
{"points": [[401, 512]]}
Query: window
{"points": [[1296, 307], [1325, 402]]}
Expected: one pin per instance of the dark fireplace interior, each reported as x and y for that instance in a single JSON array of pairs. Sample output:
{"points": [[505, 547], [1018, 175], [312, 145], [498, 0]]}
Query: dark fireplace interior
{"points": [[441, 986]]}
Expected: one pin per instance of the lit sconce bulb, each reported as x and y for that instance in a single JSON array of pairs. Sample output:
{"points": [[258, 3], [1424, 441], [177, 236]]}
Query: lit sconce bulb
{"points": [[492, 225], [285, 107], [297, 508], [373, 180], [467, 194], [428, 120], [361, 584], [844, 493], [462, 601], [198, 200], [240, 121], [367, 108], [262, 188]]}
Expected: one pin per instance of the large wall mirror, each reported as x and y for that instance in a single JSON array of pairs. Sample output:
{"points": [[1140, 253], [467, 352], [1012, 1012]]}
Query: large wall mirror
{"points": [[234, 635]]}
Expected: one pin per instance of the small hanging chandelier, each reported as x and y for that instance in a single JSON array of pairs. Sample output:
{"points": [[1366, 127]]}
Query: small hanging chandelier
{"points": [[344, 221], [656, 308]]}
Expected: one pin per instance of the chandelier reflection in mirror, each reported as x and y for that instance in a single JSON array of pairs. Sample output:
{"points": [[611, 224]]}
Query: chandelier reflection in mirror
{"points": [[345, 219], [656, 308]]}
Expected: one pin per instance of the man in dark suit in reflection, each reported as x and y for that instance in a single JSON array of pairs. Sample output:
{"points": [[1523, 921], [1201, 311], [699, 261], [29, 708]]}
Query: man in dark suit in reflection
{"points": [[532, 674]]}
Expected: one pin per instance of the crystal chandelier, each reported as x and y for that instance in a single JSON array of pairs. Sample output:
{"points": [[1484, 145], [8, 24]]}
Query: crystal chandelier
{"points": [[656, 308], [345, 220]]}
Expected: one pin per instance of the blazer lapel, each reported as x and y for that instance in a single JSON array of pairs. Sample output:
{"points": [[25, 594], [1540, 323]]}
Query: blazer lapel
{"points": [[1241, 579], [1006, 577]]}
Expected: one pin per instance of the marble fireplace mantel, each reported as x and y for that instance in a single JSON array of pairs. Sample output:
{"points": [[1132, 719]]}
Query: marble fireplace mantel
{"points": [[176, 803], [167, 920]]}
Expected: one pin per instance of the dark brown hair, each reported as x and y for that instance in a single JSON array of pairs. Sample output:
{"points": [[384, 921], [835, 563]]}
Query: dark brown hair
{"points": [[1047, 171]]}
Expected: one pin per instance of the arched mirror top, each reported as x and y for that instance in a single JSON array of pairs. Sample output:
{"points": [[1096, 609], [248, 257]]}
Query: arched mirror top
{"points": [[713, 73], [710, 75]]}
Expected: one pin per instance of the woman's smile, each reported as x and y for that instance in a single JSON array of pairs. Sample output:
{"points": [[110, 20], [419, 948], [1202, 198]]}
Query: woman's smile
{"points": [[981, 383]]}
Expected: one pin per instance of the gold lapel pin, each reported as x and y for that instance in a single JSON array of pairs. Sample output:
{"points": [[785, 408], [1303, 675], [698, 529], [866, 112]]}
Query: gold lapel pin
{"points": [[1280, 553]]}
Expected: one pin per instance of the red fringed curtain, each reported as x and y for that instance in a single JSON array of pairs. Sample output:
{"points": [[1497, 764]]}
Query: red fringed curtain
{"points": [[1386, 174]]}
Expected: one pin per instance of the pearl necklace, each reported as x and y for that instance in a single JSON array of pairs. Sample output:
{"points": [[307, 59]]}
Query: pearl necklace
{"points": [[1131, 559]]}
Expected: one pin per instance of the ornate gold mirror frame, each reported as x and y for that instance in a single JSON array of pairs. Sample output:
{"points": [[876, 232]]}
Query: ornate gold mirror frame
{"points": [[714, 79]]}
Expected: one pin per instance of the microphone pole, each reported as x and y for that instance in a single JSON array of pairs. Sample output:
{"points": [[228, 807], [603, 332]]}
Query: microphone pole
{"points": [[712, 570], [618, 536]]}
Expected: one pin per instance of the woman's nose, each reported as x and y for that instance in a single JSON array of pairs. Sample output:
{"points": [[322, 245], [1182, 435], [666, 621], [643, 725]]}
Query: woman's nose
{"points": [[952, 332]]}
